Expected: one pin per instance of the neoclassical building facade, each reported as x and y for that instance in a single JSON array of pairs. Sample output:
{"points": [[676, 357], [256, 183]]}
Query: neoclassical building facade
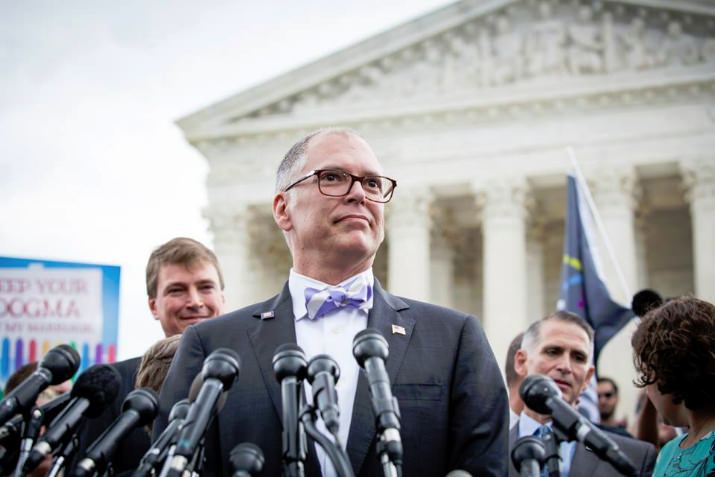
{"points": [[472, 108]]}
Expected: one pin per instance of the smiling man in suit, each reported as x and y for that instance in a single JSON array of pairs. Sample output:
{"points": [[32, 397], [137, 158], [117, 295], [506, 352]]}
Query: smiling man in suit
{"points": [[560, 346], [329, 203]]}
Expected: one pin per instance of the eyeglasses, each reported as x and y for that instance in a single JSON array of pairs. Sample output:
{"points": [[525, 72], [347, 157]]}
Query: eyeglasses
{"points": [[606, 395], [337, 183]]}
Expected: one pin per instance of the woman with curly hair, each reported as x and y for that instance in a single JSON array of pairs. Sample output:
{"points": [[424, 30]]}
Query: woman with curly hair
{"points": [[674, 350]]}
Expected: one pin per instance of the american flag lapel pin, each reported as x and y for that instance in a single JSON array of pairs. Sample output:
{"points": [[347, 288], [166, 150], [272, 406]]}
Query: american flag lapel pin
{"points": [[398, 330], [267, 315]]}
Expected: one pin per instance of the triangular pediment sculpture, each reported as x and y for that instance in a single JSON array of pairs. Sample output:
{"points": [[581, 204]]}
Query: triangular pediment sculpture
{"points": [[472, 49]]}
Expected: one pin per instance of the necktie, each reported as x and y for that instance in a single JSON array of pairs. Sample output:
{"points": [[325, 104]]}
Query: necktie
{"points": [[354, 294]]}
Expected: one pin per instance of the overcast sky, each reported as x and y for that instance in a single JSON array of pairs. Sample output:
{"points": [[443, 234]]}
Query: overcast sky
{"points": [[93, 168]]}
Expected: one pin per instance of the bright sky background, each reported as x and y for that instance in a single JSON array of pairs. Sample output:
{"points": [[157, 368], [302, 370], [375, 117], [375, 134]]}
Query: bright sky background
{"points": [[92, 166]]}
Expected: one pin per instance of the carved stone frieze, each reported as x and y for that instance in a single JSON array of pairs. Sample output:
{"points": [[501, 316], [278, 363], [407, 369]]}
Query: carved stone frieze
{"points": [[522, 43]]}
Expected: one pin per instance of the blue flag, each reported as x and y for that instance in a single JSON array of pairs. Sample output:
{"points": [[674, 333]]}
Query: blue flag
{"points": [[582, 289]]}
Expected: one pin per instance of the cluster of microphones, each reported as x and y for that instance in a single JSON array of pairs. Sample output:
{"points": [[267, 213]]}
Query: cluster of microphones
{"points": [[179, 449], [531, 454]]}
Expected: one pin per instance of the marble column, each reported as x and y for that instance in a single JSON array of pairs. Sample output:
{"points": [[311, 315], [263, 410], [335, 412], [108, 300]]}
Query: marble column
{"points": [[231, 228], [535, 271], [699, 177], [409, 234], [505, 266], [615, 192], [441, 266]]}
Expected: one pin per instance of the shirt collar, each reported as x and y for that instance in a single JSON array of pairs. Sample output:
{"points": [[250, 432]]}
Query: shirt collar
{"points": [[297, 284], [528, 425]]}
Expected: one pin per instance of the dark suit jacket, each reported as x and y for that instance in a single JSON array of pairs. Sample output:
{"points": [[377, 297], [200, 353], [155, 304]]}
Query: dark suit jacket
{"points": [[131, 449], [451, 395], [587, 464]]}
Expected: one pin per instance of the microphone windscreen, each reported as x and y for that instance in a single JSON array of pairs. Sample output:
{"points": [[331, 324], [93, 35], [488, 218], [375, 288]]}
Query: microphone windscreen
{"points": [[196, 387], [99, 384], [536, 389], [644, 301], [62, 361], [145, 402], [458, 473]]}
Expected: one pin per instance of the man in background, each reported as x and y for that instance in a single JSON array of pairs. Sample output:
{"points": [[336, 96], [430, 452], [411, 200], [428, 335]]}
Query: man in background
{"points": [[608, 402], [184, 286], [560, 346], [513, 380]]}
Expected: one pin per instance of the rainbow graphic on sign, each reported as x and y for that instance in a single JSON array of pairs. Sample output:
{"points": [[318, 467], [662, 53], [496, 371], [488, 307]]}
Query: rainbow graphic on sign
{"points": [[45, 303]]}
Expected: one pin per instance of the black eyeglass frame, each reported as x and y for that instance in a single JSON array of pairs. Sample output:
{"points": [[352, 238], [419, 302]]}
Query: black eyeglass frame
{"points": [[316, 172]]}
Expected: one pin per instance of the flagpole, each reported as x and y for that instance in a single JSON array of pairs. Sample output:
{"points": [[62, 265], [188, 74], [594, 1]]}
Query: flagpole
{"points": [[597, 219]]}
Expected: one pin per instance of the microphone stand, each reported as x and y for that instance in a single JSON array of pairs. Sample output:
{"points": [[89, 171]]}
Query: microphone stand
{"points": [[295, 447], [552, 458], [335, 452], [30, 431], [63, 455], [197, 461]]}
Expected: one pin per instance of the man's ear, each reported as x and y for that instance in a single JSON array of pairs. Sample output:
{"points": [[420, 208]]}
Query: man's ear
{"points": [[520, 359], [587, 381], [152, 307], [280, 211]]}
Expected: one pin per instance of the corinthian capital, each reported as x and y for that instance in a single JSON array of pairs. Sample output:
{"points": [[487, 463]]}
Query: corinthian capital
{"points": [[614, 187], [504, 197], [698, 178], [412, 207]]}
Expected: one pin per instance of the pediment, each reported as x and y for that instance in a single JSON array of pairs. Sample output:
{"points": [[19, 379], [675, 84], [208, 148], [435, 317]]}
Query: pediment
{"points": [[478, 52]]}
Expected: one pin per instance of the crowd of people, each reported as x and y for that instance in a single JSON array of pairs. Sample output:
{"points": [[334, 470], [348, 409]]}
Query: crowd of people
{"points": [[455, 411]]}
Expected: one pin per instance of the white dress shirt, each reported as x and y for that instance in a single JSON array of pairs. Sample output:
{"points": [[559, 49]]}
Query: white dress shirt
{"points": [[331, 334]]}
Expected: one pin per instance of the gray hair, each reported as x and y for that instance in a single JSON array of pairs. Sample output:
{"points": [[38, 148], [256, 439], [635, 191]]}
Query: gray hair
{"points": [[532, 335], [295, 158]]}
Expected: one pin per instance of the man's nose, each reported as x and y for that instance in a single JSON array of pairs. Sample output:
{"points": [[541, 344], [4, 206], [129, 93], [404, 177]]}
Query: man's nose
{"points": [[356, 191], [564, 364], [194, 297]]}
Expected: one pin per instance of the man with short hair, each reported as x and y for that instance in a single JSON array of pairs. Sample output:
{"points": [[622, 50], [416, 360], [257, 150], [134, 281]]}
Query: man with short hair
{"points": [[329, 202], [560, 346], [608, 401], [513, 380], [184, 286]]}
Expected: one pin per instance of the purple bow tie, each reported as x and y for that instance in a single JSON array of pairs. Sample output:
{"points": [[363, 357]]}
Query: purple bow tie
{"points": [[355, 294]]}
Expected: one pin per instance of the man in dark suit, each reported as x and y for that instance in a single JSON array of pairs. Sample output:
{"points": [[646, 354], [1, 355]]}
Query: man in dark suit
{"points": [[560, 346], [329, 202], [184, 286]]}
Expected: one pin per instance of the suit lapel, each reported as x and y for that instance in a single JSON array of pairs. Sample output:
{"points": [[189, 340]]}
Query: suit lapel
{"points": [[383, 316], [276, 328], [268, 335], [584, 462], [513, 437]]}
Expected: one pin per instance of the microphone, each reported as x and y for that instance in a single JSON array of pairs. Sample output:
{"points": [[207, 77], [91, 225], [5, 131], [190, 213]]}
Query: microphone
{"points": [[158, 451], [371, 350], [11, 429], [290, 368], [541, 394], [528, 455], [59, 364], [220, 370], [94, 389], [138, 409], [323, 373], [247, 460]]}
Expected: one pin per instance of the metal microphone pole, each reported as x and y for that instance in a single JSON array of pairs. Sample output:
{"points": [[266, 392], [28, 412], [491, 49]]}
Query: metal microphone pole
{"points": [[30, 431], [552, 458], [335, 453]]}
